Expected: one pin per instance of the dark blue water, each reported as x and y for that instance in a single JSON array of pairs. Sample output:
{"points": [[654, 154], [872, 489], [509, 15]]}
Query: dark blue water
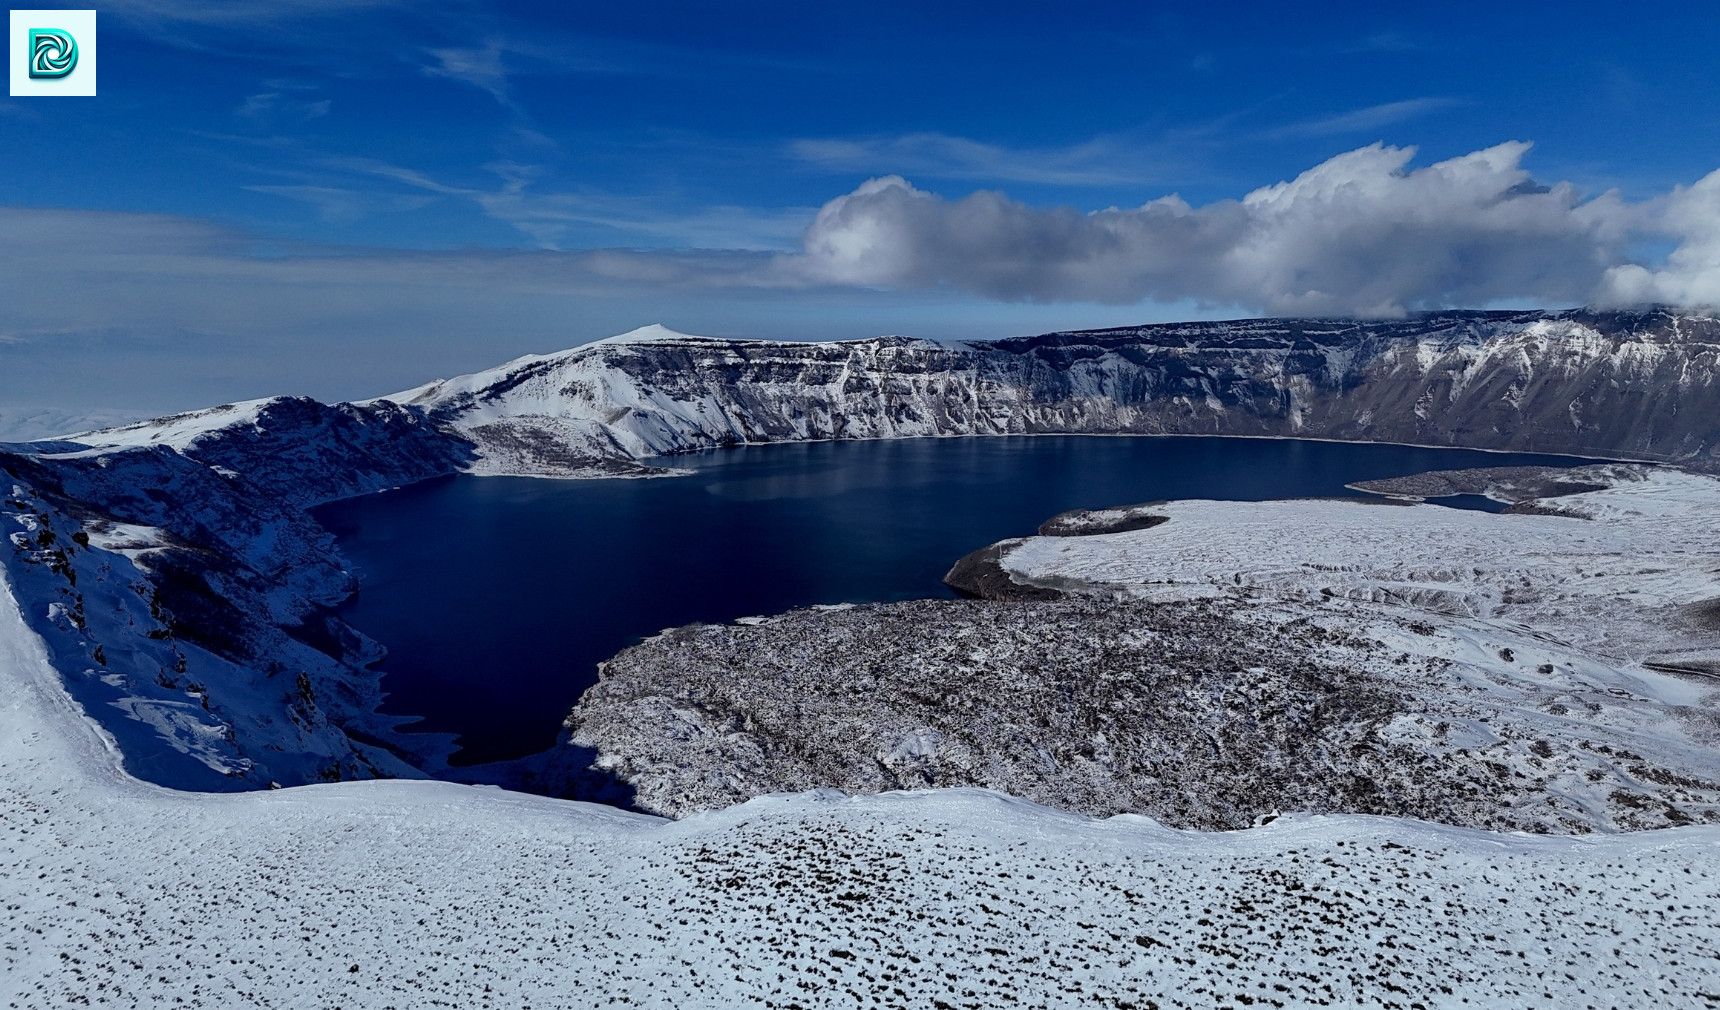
{"points": [[497, 597]]}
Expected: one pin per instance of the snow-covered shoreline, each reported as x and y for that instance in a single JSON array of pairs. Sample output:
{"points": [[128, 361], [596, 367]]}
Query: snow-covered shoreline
{"points": [[1209, 662]]}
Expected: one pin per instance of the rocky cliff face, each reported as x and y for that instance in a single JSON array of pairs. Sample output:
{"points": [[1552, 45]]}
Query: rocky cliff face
{"points": [[1639, 385]]}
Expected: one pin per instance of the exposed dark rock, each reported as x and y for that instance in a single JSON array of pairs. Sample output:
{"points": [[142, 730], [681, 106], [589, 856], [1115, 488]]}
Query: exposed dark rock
{"points": [[1093, 522], [1705, 614], [982, 575], [1512, 484]]}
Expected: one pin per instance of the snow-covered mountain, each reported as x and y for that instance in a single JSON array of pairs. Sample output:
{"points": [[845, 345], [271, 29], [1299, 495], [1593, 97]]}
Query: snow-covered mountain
{"points": [[164, 602], [1640, 385]]}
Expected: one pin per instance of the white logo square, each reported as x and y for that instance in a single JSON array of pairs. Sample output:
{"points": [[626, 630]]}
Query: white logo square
{"points": [[53, 53]]}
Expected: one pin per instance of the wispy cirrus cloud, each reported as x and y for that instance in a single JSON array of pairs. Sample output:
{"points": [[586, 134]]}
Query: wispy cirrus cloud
{"points": [[1103, 161], [482, 66], [283, 99], [551, 217], [1364, 120], [238, 12], [334, 203]]}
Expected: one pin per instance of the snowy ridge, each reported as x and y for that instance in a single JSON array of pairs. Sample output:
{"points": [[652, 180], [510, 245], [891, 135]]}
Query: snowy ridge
{"points": [[1640, 385], [178, 431], [1635, 385], [393, 894]]}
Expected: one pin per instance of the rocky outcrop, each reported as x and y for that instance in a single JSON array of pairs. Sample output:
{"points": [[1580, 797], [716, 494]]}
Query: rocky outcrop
{"points": [[1096, 522], [1206, 714], [1512, 484]]}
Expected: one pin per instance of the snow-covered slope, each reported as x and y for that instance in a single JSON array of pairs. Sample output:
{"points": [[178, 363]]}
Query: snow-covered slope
{"points": [[186, 594], [1632, 385], [395, 894], [1615, 572]]}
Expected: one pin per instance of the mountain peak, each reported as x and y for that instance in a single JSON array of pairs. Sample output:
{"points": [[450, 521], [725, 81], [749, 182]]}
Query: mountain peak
{"points": [[649, 334]]}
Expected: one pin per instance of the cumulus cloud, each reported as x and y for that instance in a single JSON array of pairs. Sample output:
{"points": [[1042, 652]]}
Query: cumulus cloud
{"points": [[1360, 234], [1691, 273]]}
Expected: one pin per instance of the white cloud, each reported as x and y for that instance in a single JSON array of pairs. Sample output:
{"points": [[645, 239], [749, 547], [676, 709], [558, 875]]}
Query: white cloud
{"points": [[1360, 234], [1691, 273]]}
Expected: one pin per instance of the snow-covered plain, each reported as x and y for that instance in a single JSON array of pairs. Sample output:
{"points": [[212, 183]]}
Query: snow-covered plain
{"points": [[1613, 574], [413, 893]]}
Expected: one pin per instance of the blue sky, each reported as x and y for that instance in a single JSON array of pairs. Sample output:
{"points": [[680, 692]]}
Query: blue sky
{"points": [[342, 199]]}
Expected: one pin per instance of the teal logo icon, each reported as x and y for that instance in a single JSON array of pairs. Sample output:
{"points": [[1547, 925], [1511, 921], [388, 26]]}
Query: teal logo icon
{"points": [[53, 52]]}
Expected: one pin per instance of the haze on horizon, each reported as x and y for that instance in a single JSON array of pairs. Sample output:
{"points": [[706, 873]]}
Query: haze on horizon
{"points": [[342, 199]]}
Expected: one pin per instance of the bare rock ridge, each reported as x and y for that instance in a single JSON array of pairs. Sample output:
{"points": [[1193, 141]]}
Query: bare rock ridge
{"points": [[1513, 484]]}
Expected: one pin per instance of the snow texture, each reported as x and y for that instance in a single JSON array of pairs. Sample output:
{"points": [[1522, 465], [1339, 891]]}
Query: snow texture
{"points": [[185, 593], [163, 614], [407, 894]]}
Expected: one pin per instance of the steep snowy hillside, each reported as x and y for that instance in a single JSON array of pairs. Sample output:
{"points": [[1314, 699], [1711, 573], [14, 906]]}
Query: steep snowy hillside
{"points": [[1631, 385], [186, 595], [397, 894]]}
